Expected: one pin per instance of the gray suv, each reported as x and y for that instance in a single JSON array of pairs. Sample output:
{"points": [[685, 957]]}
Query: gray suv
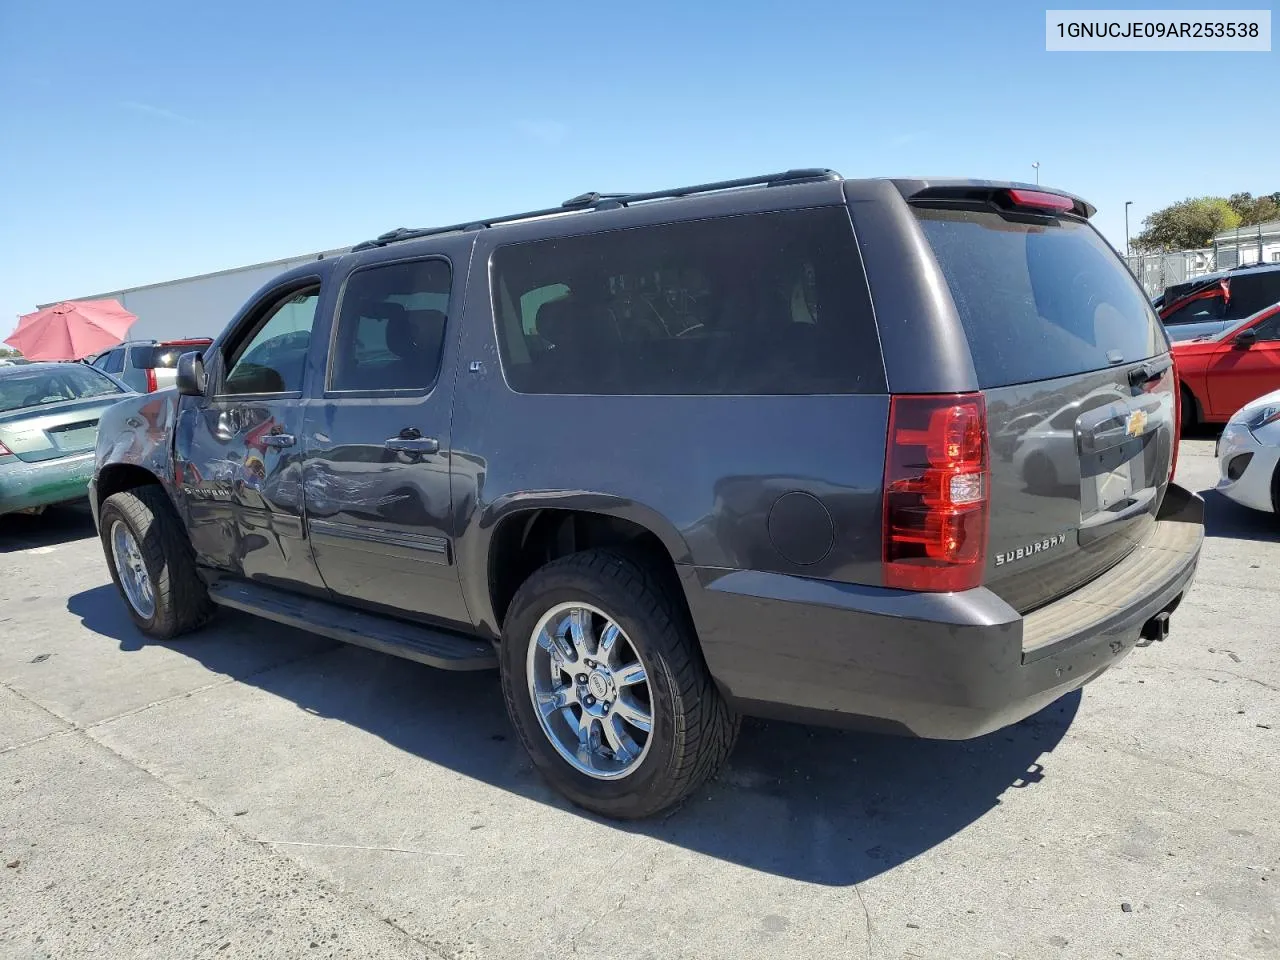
{"points": [[893, 454]]}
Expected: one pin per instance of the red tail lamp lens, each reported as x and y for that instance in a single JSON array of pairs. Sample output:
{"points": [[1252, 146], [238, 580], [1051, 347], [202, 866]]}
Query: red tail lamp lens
{"points": [[937, 492], [1039, 200]]}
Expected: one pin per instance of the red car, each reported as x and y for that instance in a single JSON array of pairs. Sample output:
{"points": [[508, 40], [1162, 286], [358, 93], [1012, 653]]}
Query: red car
{"points": [[1220, 374]]}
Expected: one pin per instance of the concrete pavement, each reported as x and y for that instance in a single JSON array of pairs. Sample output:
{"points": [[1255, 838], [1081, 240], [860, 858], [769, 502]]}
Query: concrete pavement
{"points": [[255, 791]]}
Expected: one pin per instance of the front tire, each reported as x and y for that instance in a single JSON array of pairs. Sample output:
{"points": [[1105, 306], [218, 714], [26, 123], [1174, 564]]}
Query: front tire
{"points": [[606, 686], [152, 564]]}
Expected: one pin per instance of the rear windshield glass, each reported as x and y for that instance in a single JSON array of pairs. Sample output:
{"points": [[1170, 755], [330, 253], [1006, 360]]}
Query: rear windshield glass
{"points": [[1041, 300], [21, 388], [161, 356]]}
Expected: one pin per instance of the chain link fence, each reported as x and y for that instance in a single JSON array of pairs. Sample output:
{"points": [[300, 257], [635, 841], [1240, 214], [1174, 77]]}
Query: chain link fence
{"points": [[1156, 271]]}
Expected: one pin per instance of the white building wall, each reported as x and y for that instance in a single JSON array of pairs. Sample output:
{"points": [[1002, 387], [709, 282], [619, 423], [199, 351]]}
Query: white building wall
{"points": [[196, 306]]}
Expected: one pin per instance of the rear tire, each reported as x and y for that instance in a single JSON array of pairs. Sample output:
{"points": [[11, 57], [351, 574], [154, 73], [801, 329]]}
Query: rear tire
{"points": [[623, 772], [152, 563]]}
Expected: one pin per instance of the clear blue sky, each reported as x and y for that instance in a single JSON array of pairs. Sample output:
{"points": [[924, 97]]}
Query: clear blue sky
{"points": [[144, 141]]}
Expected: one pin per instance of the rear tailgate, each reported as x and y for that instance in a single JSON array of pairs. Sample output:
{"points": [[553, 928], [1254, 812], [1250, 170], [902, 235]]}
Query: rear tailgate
{"points": [[1080, 390]]}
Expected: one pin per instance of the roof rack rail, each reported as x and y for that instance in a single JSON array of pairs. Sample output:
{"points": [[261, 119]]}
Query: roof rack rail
{"points": [[593, 200]]}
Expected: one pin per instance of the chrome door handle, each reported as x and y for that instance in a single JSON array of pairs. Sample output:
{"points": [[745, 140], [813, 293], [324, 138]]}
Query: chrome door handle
{"points": [[278, 440], [413, 444]]}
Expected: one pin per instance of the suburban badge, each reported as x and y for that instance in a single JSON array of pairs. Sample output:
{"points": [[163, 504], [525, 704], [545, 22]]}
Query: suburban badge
{"points": [[1030, 549]]}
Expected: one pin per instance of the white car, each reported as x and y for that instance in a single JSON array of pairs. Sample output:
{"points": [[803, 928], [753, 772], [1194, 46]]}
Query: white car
{"points": [[1248, 452]]}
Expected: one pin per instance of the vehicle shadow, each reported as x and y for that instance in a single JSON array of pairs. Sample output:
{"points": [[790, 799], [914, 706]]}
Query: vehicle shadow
{"points": [[1229, 520], [824, 806], [60, 524]]}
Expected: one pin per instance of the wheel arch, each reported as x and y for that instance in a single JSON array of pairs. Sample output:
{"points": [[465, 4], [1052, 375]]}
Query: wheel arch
{"points": [[528, 532], [119, 477]]}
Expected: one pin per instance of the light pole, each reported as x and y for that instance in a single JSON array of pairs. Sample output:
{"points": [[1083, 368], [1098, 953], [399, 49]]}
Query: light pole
{"points": [[1127, 205], [1035, 164]]}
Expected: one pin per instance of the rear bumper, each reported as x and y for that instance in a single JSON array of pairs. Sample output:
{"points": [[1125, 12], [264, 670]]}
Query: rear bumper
{"points": [[26, 485], [946, 666]]}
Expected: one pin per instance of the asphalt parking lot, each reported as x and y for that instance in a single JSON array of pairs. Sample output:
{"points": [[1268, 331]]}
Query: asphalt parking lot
{"points": [[253, 791]]}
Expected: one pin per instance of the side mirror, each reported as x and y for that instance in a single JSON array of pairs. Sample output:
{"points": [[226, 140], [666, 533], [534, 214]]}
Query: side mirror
{"points": [[190, 378], [1246, 338]]}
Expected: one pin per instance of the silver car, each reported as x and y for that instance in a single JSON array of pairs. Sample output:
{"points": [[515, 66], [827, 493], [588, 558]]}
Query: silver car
{"points": [[146, 365]]}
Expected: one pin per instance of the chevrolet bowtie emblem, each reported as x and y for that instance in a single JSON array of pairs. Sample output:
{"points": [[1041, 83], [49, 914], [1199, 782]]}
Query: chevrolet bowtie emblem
{"points": [[1137, 423]]}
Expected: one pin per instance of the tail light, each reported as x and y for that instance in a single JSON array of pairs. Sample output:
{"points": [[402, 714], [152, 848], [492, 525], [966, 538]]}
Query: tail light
{"points": [[1041, 200], [1177, 418], [936, 492], [5, 451], [151, 379]]}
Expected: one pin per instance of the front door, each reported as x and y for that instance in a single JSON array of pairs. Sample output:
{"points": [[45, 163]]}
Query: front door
{"points": [[1241, 372], [237, 454], [377, 442]]}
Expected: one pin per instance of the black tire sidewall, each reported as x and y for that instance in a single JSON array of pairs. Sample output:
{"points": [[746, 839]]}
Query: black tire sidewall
{"points": [[651, 778], [1190, 410], [111, 514]]}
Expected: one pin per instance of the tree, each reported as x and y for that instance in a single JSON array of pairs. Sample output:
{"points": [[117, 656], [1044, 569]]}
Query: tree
{"points": [[1255, 210], [1188, 223], [1264, 209]]}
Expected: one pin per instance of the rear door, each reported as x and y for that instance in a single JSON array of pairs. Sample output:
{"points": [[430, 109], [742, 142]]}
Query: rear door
{"points": [[136, 360], [1079, 391], [1241, 372], [378, 439]]}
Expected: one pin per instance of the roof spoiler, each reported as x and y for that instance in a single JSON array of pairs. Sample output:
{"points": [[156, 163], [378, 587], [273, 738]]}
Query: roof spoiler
{"points": [[1004, 194]]}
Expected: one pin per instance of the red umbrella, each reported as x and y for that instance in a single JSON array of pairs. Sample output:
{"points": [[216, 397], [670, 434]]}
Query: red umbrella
{"points": [[72, 330]]}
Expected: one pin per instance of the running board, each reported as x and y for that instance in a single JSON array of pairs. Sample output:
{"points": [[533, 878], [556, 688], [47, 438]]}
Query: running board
{"points": [[435, 648]]}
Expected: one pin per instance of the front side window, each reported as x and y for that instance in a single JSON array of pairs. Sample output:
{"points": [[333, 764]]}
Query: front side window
{"points": [[274, 357], [771, 303], [1269, 330], [21, 388], [390, 330]]}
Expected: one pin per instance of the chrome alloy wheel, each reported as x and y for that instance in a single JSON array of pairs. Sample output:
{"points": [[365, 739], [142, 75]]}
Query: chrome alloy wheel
{"points": [[590, 690], [132, 571]]}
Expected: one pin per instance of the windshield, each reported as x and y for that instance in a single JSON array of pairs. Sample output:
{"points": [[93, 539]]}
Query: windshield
{"points": [[22, 387]]}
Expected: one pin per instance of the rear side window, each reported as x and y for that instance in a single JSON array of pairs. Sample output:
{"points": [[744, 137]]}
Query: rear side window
{"points": [[761, 304], [1197, 311], [140, 358], [112, 362], [1253, 292], [1039, 300]]}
